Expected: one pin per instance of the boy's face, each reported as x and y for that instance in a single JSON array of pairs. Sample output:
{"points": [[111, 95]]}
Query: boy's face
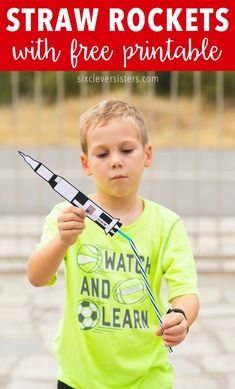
{"points": [[116, 158]]}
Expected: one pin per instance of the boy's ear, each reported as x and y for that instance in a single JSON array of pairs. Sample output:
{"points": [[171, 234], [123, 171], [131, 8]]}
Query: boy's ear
{"points": [[148, 155], [85, 164]]}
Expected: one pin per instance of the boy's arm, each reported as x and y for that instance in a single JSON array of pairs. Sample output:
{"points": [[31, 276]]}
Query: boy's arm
{"points": [[189, 304], [180, 273], [175, 324], [44, 263]]}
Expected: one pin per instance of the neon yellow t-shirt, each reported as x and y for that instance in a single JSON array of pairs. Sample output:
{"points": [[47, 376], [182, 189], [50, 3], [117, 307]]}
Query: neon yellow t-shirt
{"points": [[107, 336]]}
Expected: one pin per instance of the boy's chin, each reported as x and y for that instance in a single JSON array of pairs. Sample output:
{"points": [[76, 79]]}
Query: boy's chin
{"points": [[121, 194]]}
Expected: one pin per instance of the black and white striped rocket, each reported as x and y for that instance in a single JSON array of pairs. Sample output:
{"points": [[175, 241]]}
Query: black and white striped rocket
{"points": [[109, 224]]}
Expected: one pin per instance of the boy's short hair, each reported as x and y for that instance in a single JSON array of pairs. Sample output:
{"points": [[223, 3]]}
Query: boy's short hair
{"points": [[101, 113]]}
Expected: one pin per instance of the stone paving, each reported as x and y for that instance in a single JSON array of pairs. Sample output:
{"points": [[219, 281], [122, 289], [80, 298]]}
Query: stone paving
{"points": [[29, 319]]}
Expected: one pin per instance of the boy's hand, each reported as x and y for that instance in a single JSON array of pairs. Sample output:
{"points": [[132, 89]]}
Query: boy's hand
{"points": [[71, 223], [175, 328]]}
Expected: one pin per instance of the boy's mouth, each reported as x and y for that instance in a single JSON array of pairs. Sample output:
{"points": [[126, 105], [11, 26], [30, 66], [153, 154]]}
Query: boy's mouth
{"points": [[118, 177]]}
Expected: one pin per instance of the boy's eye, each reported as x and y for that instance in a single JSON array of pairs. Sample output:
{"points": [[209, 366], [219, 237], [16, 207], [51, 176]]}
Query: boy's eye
{"points": [[102, 155], [127, 151]]}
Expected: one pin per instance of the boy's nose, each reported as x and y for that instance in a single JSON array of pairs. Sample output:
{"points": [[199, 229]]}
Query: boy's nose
{"points": [[116, 161]]}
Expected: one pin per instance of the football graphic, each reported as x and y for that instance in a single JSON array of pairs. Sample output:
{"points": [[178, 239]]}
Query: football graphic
{"points": [[89, 258], [129, 291], [88, 314]]}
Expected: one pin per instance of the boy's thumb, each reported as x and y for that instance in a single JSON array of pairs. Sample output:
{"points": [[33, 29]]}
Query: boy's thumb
{"points": [[159, 331]]}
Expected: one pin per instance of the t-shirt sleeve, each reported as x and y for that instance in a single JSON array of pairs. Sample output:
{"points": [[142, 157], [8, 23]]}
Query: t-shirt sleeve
{"points": [[49, 231], [178, 264], [50, 228]]}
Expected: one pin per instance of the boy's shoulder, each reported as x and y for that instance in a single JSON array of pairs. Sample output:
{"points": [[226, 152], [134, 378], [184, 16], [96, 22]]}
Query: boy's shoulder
{"points": [[57, 209], [60, 206], [162, 212]]}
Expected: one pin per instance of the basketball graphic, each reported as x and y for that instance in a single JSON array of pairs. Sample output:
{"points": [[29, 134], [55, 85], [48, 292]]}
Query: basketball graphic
{"points": [[89, 258], [129, 291], [88, 314]]}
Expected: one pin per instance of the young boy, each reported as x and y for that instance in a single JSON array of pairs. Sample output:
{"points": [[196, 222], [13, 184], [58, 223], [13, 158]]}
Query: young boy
{"points": [[109, 336]]}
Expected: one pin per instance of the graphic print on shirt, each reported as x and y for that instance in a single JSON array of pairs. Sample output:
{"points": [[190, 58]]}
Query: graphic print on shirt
{"points": [[89, 258], [112, 290]]}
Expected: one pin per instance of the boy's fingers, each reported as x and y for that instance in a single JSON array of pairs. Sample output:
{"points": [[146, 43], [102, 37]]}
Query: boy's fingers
{"points": [[70, 217], [159, 331], [161, 327], [73, 225], [75, 210], [172, 319]]}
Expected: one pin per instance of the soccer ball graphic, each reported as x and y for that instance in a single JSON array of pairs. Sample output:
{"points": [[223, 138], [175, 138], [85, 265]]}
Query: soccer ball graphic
{"points": [[88, 314], [89, 258]]}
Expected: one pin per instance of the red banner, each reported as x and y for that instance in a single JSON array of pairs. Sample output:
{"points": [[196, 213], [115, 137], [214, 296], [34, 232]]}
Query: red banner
{"points": [[131, 35]]}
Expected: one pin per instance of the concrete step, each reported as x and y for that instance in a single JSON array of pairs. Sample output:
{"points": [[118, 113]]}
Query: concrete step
{"points": [[212, 241]]}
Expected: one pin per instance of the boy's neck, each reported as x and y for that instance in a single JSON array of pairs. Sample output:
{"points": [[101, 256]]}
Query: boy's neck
{"points": [[127, 209]]}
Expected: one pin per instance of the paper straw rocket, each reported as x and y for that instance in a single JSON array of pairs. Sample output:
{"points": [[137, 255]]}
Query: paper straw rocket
{"points": [[109, 224]]}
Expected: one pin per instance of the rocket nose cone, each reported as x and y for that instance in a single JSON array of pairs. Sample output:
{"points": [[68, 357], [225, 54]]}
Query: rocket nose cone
{"points": [[29, 160], [23, 155]]}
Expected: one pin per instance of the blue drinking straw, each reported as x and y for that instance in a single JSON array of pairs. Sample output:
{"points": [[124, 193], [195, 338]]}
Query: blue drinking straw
{"points": [[146, 281]]}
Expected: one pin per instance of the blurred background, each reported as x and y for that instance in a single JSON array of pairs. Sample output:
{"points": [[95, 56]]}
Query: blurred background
{"points": [[191, 121], [190, 117]]}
